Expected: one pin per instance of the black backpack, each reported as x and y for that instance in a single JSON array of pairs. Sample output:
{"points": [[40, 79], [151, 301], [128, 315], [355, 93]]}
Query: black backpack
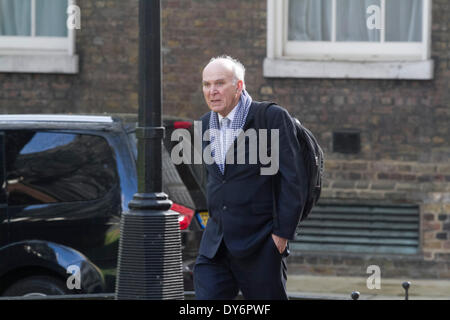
{"points": [[312, 155]]}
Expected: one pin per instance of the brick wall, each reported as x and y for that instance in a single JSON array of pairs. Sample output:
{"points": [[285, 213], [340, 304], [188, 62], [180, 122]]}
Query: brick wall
{"points": [[107, 81], [404, 124], [393, 181]]}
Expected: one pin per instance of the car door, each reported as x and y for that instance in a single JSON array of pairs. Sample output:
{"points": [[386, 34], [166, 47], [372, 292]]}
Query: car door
{"points": [[63, 187], [3, 211]]}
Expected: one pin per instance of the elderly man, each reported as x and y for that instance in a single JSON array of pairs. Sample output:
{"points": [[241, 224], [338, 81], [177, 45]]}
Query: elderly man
{"points": [[242, 247]]}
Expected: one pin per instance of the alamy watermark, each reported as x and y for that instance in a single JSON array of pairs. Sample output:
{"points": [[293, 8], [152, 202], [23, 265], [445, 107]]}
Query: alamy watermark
{"points": [[374, 280], [73, 17], [374, 21], [256, 149], [74, 280]]}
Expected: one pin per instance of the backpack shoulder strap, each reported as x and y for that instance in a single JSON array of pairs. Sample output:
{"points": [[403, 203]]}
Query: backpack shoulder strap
{"points": [[260, 115], [261, 123]]}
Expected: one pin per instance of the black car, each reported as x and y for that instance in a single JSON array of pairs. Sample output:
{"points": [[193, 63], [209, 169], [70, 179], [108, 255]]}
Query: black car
{"points": [[65, 180]]}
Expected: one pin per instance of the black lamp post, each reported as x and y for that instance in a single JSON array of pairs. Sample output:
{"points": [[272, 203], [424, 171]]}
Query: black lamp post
{"points": [[149, 263]]}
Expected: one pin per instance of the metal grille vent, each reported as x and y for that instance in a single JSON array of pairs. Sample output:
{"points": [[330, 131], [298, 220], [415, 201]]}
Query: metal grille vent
{"points": [[363, 229]]}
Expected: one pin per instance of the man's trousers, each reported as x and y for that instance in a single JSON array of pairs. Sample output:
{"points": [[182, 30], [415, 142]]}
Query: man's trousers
{"points": [[260, 276]]}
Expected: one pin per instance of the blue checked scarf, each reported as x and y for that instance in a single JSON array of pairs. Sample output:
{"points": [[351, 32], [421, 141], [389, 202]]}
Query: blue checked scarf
{"points": [[236, 125]]}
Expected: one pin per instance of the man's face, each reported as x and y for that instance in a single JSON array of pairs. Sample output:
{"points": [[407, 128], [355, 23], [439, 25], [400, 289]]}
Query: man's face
{"points": [[221, 95]]}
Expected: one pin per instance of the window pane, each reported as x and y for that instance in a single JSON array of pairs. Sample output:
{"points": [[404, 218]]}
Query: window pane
{"points": [[351, 21], [45, 167], [309, 20], [51, 18], [15, 17], [404, 20]]}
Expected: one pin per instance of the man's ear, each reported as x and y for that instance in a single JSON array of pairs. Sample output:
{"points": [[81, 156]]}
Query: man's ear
{"points": [[240, 86]]}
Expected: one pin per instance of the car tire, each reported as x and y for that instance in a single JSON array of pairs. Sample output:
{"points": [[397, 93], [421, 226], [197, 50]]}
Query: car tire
{"points": [[36, 286]]}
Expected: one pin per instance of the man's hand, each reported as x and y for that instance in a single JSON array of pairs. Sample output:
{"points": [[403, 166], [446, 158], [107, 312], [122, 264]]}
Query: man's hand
{"points": [[281, 243]]}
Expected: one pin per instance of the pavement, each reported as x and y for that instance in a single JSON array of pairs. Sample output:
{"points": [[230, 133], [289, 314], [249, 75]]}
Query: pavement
{"points": [[331, 287]]}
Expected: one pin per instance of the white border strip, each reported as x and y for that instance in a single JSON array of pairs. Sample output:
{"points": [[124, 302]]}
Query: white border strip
{"points": [[411, 70]]}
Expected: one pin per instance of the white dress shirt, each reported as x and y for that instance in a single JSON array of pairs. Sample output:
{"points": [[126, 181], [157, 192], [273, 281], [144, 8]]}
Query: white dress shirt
{"points": [[224, 131]]}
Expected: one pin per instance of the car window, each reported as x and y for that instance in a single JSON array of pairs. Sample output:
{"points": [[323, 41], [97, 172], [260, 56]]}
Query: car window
{"points": [[3, 212], [51, 167], [173, 183], [197, 171], [133, 142], [2, 175], [43, 141]]}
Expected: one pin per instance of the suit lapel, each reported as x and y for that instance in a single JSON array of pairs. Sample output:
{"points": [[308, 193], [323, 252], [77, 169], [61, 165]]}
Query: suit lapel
{"points": [[213, 168], [250, 116]]}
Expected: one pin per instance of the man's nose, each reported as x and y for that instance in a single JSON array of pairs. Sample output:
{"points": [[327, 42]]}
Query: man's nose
{"points": [[213, 90]]}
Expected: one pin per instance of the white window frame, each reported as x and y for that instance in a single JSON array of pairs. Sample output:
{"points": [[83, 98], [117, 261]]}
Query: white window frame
{"points": [[37, 54], [331, 59]]}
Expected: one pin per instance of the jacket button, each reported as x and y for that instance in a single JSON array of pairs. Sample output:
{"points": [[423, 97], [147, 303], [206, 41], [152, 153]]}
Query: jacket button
{"points": [[224, 181], [224, 207]]}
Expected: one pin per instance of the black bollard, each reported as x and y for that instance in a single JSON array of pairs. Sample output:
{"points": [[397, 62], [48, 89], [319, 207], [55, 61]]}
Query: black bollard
{"points": [[406, 286], [355, 295]]}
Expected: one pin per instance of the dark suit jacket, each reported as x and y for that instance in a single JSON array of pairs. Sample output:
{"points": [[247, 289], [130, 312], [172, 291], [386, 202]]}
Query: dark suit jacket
{"points": [[240, 202]]}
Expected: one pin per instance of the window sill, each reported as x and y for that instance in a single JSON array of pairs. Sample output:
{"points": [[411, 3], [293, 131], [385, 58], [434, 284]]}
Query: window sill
{"points": [[411, 70], [39, 63]]}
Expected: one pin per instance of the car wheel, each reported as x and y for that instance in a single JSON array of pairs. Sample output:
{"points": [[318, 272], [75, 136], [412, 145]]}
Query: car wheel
{"points": [[36, 286]]}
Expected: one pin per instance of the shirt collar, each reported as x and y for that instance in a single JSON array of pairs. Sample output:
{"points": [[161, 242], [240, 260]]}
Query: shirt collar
{"points": [[230, 115]]}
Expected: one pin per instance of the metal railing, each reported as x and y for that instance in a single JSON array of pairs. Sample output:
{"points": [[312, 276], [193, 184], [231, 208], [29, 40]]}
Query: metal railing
{"points": [[190, 295], [406, 285]]}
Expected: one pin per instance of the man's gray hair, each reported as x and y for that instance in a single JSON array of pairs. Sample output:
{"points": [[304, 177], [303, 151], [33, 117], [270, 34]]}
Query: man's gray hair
{"points": [[237, 67]]}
